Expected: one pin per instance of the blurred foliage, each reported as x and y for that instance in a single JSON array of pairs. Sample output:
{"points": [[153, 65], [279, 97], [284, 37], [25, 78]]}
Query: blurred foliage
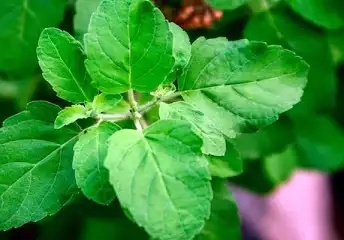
{"points": [[309, 136]]}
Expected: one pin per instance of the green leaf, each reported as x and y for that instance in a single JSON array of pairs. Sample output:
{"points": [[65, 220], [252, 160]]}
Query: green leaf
{"points": [[70, 115], [161, 177], [105, 102], [181, 51], [213, 140], [89, 155], [280, 166], [282, 28], [227, 5], [84, 10], [320, 143], [21, 23], [242, 85], [279, 26], [224, 222], [325, 13], [36, 175], [129, 45], [38, 110], [62, 61], [227, 166]]}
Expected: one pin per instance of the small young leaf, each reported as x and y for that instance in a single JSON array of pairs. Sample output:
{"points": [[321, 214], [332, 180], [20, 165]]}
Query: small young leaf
{"points": [[335, 40], [242, 85], [62, 61], [105, 102], [224, 222], [161, 177], [70, 115], [21, 23], [181, 51], [129, 45], [36, 175], [89, 155], [181, 46], [213, 140], [280, 166], [227, 166]]}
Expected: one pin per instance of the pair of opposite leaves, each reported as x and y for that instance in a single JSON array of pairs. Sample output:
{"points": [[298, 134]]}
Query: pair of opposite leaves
{"points": [[238, 85]]}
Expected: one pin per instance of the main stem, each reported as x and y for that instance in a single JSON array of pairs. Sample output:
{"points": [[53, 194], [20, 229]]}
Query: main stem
{"points": [[140, 110], [136, 115]]}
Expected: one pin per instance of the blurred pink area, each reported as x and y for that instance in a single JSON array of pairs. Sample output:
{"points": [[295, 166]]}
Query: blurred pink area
{"points": [[298, 210]]}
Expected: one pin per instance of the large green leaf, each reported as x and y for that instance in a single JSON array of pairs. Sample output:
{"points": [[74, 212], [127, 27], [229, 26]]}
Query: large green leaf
{"points": [[84, 10], [161, 177], [129, 45], [242, 85], [213, 140], [62, 61], [325, 13], [21, 22], [89, 155], [281, 27], [38, 110], [231, 164], [224, 222], [36, 176]]}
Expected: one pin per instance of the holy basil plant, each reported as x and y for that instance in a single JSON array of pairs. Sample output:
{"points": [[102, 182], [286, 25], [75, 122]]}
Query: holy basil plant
{"points": [[168, 175]]}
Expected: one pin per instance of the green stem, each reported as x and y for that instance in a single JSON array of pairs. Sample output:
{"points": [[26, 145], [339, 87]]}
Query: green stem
{"points": [[115, 117], [155, 101], [143, 122], [136, 115], [138, 125], [132, 101], [140, 110]]}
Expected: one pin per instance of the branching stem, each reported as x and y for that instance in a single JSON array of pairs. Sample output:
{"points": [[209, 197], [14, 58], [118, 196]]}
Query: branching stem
{"points": [[132, 102], [137, 111]]}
